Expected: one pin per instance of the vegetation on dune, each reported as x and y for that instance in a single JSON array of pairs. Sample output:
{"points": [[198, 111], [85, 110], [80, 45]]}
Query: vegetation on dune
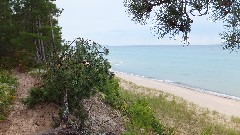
{"points": [[31, 38], [7, 92], [29, 35], [78, 72], [142, 120], [181, 116]]}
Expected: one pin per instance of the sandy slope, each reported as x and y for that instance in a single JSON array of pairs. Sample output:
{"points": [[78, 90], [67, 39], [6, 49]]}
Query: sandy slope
{"points": [[219, 104], [24, 121]]}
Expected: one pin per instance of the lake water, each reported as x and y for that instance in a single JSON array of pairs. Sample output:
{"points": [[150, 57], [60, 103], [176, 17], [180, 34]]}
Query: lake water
{"points": [[207, 68]]}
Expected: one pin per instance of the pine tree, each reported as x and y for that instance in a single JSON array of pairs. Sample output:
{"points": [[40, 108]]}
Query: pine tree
{"points": [[6, 28], [39, 32]]}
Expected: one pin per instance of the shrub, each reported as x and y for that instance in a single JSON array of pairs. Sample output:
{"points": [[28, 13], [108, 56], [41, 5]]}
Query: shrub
{"points": [[36, 96], [21, 59], [7, 92], [141, 114], [75, 73], [143, 121], [6, 77], [207, 131], [111, 93], [6, 97], [7, 62]]}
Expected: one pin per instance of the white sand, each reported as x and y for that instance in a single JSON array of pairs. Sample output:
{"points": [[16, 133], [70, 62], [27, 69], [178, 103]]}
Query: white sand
{"points": [[212, 102]]}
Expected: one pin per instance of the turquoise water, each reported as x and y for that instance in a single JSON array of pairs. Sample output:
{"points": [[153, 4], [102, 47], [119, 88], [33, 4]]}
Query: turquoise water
{"points": [[209, 68]]}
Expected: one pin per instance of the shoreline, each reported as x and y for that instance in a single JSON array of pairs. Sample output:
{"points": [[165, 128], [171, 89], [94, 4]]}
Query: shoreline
{"points": [[214, 101]]}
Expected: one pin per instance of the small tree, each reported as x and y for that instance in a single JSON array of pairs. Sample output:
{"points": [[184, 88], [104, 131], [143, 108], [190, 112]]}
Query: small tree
{"points": [[77, 72]]}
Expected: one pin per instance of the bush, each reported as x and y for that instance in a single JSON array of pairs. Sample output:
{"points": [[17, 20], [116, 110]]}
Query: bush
{"points": [[21, 59], [207, 131], [36, 96], [111, 93], [6, 97], [7, 92], [6, 77], [7, 62], [73, 74], [142, 116]]}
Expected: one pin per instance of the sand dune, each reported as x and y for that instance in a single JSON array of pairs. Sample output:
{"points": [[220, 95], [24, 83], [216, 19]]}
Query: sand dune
{"points": [[220, 104]]}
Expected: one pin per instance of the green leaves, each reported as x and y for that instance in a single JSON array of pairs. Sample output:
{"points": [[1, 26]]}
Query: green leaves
{"points": [[141, 114], [31, 26], [175, 17], [78, 71], [142, 117], [170, 17], [7, 92]]}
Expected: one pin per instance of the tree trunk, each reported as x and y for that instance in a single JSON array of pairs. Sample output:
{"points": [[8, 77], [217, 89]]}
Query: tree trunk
{"points": [[40, 44], [66, 109], [53, 37]]}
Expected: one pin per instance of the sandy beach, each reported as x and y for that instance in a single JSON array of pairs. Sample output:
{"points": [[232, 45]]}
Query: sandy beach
{"points": [[220, 104]]}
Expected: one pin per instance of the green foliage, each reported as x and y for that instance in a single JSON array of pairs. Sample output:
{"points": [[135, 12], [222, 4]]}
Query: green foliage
{"points": [[142, 116], [231, 35], [22, 60], [79, 72], [6, 97], [36, 96], [235, 119], [207, 131], [2, 117], [6, 77], [7, 92], [39, 33], [142, 120], [111, 93], [29, 32], [7, 62], [176, 16]]}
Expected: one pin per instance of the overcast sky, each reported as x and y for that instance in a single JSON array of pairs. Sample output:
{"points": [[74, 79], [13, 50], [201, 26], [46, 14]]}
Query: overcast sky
{"points": [[106, 22]]}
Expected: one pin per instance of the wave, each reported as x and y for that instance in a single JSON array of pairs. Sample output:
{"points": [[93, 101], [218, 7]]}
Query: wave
{"points": [[179, 84]]}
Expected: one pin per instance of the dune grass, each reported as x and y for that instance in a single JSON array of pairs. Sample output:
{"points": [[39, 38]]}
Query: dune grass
{"points": [[180, 115]]}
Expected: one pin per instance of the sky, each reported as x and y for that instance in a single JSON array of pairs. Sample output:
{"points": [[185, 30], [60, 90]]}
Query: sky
{"points": [[107, 23]]}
